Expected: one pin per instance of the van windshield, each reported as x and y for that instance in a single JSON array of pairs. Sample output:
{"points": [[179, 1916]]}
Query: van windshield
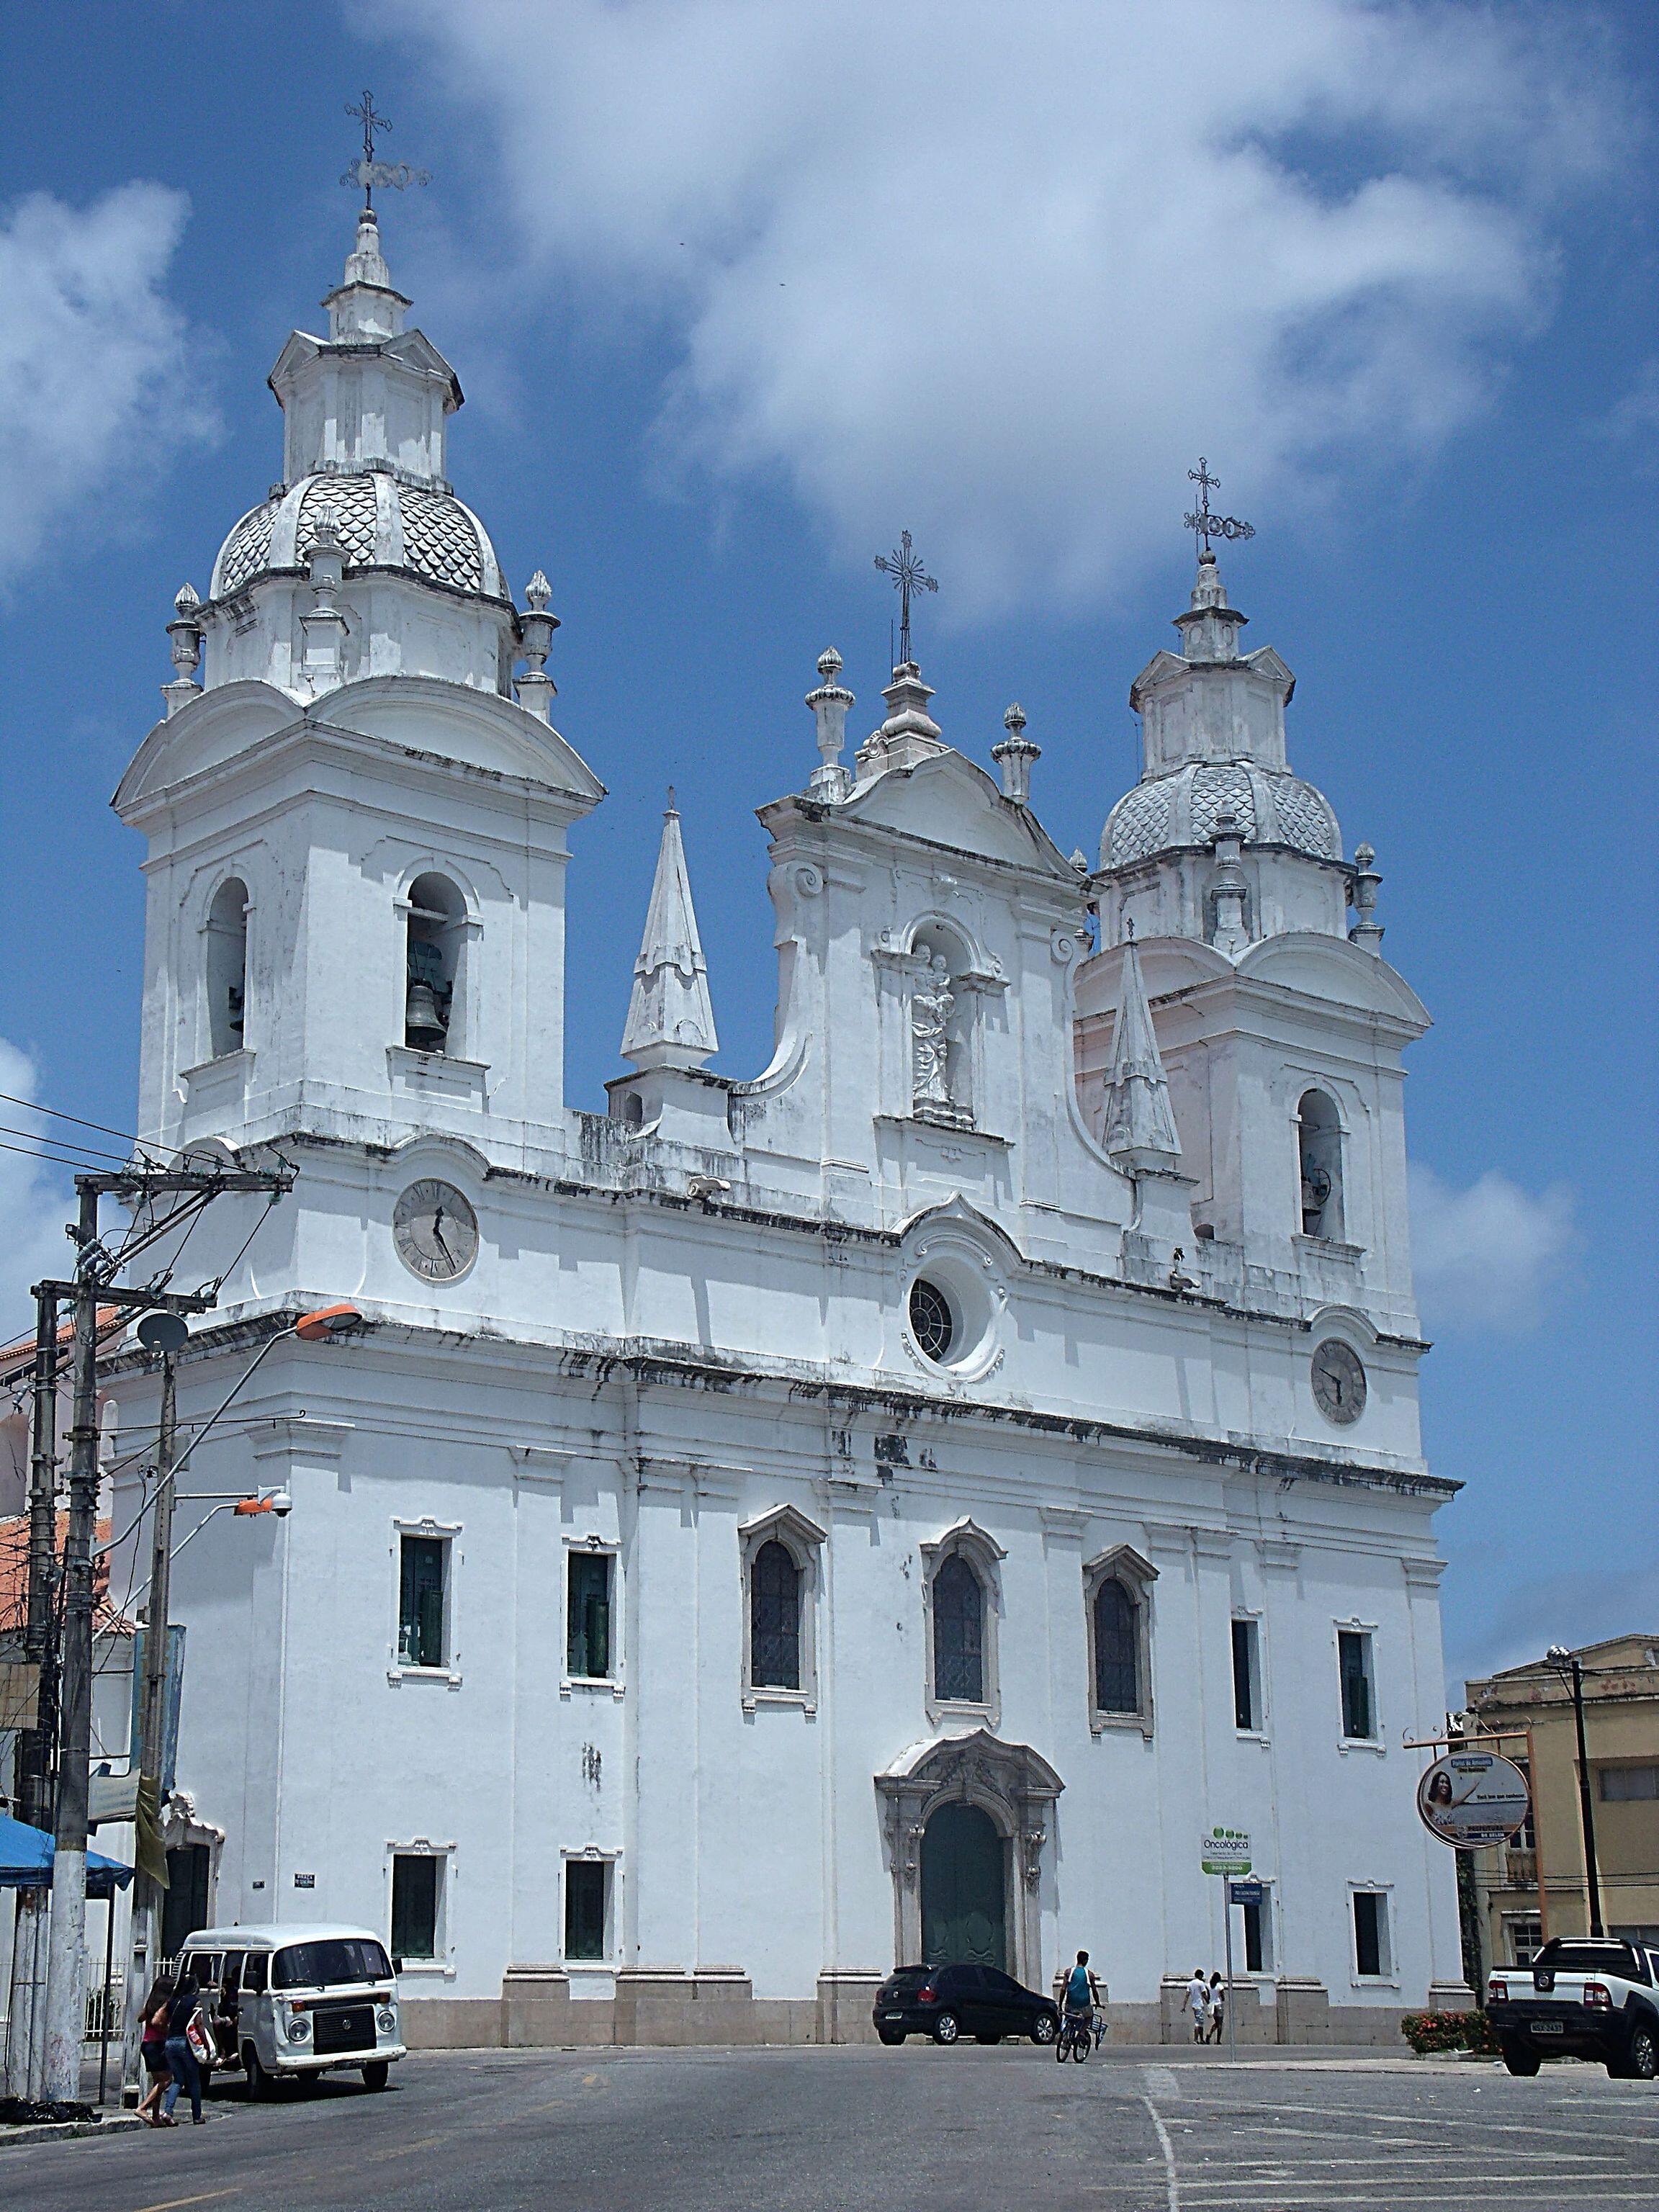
{"points": [[335, 1958]]}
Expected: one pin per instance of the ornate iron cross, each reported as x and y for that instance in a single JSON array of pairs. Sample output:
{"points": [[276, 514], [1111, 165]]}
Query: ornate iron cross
{"points": [[366, 170], [904, 567], [1203, 525]]}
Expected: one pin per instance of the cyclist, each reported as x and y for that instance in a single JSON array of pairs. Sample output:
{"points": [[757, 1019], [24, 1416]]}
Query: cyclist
{"points": [[1082, 1995]]}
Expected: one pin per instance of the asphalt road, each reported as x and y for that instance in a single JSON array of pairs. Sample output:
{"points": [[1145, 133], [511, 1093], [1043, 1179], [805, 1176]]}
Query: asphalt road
{"points": [[844, 2130]]}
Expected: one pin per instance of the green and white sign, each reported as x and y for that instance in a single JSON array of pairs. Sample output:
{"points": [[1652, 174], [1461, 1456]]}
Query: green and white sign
{"points": [[1226, 1851]]}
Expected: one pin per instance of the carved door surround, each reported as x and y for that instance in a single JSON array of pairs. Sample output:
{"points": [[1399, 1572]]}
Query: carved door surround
{"points": [[1015, 1786]]}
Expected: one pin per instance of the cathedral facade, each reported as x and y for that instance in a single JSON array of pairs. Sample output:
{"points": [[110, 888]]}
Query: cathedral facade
{"points": [[886, 1509]]}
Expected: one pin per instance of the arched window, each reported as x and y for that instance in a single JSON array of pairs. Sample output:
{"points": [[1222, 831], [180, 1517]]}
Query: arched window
{"points": [[436, 912], [1319, 1145], [1117, 1650], [227, 966], [958, 1633], [774, 1620]]}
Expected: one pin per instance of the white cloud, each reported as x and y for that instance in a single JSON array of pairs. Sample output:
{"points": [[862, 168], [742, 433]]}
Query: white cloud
{"points": [[94, 390], [33, 1203], [1001, 273], [1488, 1255]]}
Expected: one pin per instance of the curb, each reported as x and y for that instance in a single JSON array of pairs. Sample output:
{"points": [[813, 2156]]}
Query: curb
{"points": [[64, 2130]]}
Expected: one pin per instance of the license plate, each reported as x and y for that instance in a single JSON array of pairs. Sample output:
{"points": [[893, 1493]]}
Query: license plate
{"points": [[1549, 2027], [892, 2015]]}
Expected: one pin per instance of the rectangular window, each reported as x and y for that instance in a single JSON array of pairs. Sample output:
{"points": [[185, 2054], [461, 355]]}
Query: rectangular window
{"points": [[1354, 1654], [1627, 1785], [585, 1884], [1259, 1935], [588, 1634], [1527, 1838], [423, 1570], [1247, 1676], [1370, 1933], [257, 1973], [414, 1906], [1525, 1936]]}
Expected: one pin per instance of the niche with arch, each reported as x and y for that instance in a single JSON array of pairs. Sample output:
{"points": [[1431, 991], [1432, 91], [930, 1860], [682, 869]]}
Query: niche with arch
{"points": [[940, 1080], [227, 968], [1319, 1159], [432, 964]]}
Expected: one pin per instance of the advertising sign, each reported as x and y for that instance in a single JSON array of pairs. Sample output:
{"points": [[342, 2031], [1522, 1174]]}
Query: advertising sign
{"points": [[1473, 1798], [1226, 1851]]}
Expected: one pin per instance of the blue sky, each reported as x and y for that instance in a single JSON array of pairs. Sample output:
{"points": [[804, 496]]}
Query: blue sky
{"points": [[736, 292]]}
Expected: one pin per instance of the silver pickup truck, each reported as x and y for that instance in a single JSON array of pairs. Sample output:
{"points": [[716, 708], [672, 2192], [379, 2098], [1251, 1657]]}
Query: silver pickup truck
{"points": [[1581, 1997]]}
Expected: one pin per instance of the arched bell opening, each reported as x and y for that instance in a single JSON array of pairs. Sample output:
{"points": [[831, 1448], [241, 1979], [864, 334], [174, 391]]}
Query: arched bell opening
{"points": [[227, 968], [1319, 1145], [437, 914]]}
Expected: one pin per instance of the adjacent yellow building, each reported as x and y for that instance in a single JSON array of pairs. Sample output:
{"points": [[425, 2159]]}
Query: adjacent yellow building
{"points": [[1535, 1887]]}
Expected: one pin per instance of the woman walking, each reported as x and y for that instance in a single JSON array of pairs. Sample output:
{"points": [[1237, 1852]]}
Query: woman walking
{"points": [[180, 2056], [1218, 2007], [152, 2049]]}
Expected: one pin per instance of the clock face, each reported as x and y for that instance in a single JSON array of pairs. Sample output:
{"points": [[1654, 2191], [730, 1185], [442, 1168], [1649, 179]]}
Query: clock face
{"points": [[1339, 1382], [436, 1230]]}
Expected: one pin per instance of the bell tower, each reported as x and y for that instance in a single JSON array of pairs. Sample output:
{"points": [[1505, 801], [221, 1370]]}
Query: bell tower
{"points": [[356, 815], [1281, 1027]]}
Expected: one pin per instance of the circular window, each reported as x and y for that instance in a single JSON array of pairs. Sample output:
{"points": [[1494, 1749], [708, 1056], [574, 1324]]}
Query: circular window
{"points": [[932, 1320]]}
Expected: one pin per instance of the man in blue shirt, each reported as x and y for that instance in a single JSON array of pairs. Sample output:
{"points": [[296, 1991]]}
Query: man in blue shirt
{"points": [[1082, 1991]]}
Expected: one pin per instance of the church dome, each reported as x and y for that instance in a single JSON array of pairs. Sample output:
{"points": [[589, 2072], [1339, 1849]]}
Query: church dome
{"points": [[1270, 807], [381, 522]]}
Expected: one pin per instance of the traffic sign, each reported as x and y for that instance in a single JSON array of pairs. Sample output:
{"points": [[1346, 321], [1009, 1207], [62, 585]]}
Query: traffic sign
{"points": [[1226, 1851], [1247, 1892]]}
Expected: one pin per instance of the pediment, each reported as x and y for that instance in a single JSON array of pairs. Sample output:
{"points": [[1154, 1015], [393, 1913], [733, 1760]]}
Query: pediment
{"points": [[1013, 1769], [784, 1521], [1122, 1559], [964, 1536], [960, 1212], [1326, 967], [208, 731], [479, 728], [949, 800]]}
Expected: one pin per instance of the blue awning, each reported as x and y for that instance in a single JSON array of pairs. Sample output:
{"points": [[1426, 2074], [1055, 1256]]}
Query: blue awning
{"points": [[25, 1857]]}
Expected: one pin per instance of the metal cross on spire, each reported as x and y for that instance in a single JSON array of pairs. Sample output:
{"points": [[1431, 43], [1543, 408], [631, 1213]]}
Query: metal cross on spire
{"points": [[904, 566], [366, 170], [1202, 523]]}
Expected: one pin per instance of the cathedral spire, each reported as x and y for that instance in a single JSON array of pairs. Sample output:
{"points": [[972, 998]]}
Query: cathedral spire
{"points": [[1140, 1122], [671, 1023]]}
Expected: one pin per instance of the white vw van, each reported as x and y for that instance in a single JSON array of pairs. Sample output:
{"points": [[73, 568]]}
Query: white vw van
{"points": [[294, 2001]]}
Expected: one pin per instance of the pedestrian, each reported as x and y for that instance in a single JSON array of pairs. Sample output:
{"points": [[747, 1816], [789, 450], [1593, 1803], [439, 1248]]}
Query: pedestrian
{"points": [[152, 2049], [1198, 2003], [1082, 1996], [1218, 2007], [182, 2064]]}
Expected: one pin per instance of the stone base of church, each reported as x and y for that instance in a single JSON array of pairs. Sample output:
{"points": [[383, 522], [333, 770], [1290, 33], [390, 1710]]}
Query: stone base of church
{"points": [[665, 2008]]}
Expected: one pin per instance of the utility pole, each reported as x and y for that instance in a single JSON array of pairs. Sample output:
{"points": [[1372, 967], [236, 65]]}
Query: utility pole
{"points": [[92, 1285], [25, 2051], [1567, 1663], [168, 1330]]}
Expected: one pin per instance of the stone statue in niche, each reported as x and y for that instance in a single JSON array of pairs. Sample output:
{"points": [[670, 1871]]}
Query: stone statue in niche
{"points": [[931, 1003]]}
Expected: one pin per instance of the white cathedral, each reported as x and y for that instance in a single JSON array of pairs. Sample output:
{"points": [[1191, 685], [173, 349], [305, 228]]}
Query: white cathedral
{"points": [[884, 1511]]}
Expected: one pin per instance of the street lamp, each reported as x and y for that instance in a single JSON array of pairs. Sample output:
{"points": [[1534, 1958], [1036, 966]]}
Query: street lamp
{"points": [[1566, 1665], [166, 1333]]}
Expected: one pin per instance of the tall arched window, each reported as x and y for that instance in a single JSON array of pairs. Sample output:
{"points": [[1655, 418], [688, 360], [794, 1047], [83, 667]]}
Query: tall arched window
{"points": [[774, 1620], [958, 1633], [436, 912], [1117, 1650], [227, 966], [1319, 1146]]}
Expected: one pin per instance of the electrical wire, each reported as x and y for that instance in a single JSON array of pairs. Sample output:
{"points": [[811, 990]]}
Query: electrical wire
{"points": [[104, 1129]]}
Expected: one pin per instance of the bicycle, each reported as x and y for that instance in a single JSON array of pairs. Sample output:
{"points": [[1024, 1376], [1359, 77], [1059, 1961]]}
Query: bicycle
{"points": [[1075, 2038]]}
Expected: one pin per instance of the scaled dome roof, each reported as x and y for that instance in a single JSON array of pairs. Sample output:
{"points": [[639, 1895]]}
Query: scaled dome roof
{"points": [[1183, 808], [382, 522]]}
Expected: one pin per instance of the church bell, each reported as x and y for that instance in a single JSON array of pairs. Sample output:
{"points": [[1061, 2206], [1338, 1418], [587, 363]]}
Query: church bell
{"points": [[424, 1026]]}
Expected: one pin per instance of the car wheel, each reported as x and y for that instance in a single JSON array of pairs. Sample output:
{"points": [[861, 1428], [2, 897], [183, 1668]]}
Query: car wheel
{"points": [[947, 2028], [260, 2087], [890, 2034], [1043, 2029], [375, 2074], [1519, 2059], [1641, 2060]]}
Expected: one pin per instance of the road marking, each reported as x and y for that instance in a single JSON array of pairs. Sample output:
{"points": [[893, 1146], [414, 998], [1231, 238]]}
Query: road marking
{"points": [[1172, 2187], [1163, 2081], [174, 2203]]}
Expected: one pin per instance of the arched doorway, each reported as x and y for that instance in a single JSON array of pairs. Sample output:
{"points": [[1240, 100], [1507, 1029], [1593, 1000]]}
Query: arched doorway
{"points": [[965, 1884]]}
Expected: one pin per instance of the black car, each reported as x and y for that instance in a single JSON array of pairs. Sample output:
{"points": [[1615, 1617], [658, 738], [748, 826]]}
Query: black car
{"points": [[948, 2002]]}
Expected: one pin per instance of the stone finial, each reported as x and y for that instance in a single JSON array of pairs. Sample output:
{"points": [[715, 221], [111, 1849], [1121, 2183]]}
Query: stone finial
{"points": [[1079, 861], [1139, 1127], [535, 689], [829, 704], [1015, 756], [1231, 887], [1367, 932], [323, 624], [670, 1021], [184, 640]]}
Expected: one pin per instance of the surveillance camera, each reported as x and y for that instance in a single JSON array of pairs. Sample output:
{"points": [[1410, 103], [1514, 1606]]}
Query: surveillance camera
{"points": [[281, 1504]]}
